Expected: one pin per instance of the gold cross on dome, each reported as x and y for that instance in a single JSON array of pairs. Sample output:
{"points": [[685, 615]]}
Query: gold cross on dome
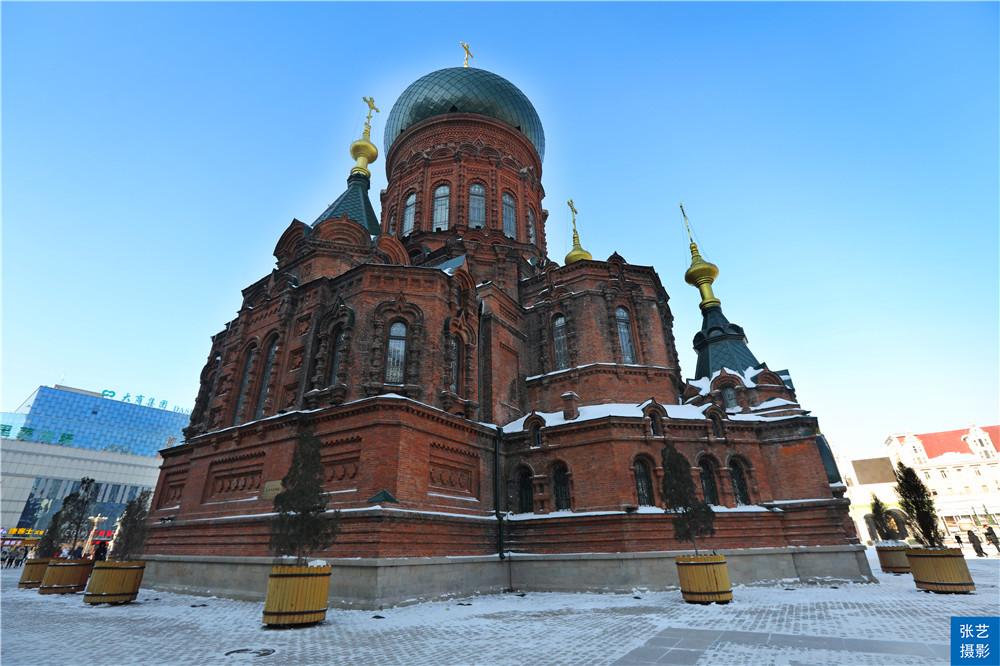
{"points": [[468, 53], [370, 101]]}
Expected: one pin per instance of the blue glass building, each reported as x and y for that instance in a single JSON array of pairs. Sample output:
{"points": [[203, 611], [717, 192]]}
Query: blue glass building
{"points": [[89, 420]]}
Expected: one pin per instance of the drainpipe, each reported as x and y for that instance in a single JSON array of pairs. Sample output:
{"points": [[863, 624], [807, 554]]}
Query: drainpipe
{"points": [[496, 490]]}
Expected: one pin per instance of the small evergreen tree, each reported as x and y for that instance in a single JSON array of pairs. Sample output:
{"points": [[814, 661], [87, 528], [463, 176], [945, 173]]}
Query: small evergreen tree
{"points": [[75, 510], [49, 544], [916, 501], [692, 518], [132, 528], [880, 520], [302, 526]]}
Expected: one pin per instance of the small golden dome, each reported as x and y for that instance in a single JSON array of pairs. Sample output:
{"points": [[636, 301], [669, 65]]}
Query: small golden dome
{"points": [[702, 274], [364, 148], [577, 254]]}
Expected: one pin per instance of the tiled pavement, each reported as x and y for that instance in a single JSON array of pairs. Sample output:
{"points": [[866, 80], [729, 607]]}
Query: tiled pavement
{"points": [[890, 623]]}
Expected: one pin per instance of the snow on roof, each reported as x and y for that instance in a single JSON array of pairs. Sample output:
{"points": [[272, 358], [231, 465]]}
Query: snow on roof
{"points": [[449, 266], [591, 412], [761, 417], [704, 384], [774, 403], [591, 365]]}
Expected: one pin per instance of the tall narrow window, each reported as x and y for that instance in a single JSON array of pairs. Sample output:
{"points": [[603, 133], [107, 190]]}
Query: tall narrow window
{"points": [[740, 489], [625, 335], [559, 342], [509, 216], [455, 354], [265, 378], [395, 355], [560, 487], [336, 354], [643, 483], [392, 223], [442, 196], [241, 396], [536, 436], [525, 492], [477, 206], [531, 225], [409, 214], [708, 486]]}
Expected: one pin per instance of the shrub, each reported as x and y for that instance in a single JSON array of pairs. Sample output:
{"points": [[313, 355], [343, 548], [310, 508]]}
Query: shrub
{"points": [[132, 528], [916, 501], [302, 525], [691, 517]]}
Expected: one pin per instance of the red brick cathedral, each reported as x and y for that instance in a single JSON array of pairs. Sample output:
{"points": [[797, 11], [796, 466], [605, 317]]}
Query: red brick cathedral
{"points": [[475, 397]]}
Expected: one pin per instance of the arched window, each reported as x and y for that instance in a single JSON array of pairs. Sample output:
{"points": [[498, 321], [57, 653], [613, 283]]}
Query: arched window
{"points": [[559, 342], [509, 216], [409, 213], [241, 396], [625, 335], [455, 353], [477, 206], [531, 225], [729, 397], [643, 482], [336, 354], [536, 436], [392, 223], [264, 389], [560, 487], [442, 195], [741, 491], [708, 486], [395, 354], [525, 491], [656, 424]]}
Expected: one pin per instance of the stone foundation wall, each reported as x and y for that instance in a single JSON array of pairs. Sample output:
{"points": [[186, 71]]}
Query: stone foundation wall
{"points": [[372, 583]]}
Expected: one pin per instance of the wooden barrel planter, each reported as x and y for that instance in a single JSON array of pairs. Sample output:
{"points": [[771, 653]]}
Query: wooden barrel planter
{"points": [[943, 570], [65, 576], [296, 595], [114, 582], [704, 579], [34, 570], [892, 559]]}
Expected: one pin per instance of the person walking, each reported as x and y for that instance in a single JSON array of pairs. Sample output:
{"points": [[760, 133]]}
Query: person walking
{"points": [[991, 536], [976, 543], [22, 555], [958, 538], [101, 551]]}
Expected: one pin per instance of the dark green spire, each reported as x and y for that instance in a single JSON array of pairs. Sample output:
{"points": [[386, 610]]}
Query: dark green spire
{"points": [[354, 203], [721, 344]]}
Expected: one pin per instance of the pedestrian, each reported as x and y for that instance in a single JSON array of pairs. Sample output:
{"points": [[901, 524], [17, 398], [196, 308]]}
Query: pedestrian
{"points": [[976, 543], [22, 555], [958, 538], [8, 558], [101, 551], [64, 553], [991, 536], [78, 553]]}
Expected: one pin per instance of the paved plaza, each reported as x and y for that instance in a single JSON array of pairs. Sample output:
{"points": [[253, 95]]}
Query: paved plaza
{"points": [[888, 623]]}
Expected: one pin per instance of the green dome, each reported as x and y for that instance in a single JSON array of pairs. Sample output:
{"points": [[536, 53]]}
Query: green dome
{"points": [[465, 90]]}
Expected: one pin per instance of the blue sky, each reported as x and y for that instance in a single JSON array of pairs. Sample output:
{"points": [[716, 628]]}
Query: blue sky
{"points": [[838, 161]]}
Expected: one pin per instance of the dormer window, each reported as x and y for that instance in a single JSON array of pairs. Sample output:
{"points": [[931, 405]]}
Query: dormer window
{"points": [[656, 424], [729, 397]]}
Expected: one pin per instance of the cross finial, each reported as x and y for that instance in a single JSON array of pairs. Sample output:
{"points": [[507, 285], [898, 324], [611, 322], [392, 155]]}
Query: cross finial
{"points": [[687, 225], [370, 101], [573, 210], [468, 53]]}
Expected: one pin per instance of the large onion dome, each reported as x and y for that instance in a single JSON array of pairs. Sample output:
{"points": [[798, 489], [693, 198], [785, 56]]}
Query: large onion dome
{"points": [[465, 90]]}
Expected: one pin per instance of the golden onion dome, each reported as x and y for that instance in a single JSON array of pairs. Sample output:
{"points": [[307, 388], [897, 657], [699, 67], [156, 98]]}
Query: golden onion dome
{"points": [[364, 148], [702, 274]]}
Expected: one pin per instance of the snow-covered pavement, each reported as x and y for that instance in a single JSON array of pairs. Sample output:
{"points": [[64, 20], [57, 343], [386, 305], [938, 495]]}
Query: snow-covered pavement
{"points": [[889, 623]]}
